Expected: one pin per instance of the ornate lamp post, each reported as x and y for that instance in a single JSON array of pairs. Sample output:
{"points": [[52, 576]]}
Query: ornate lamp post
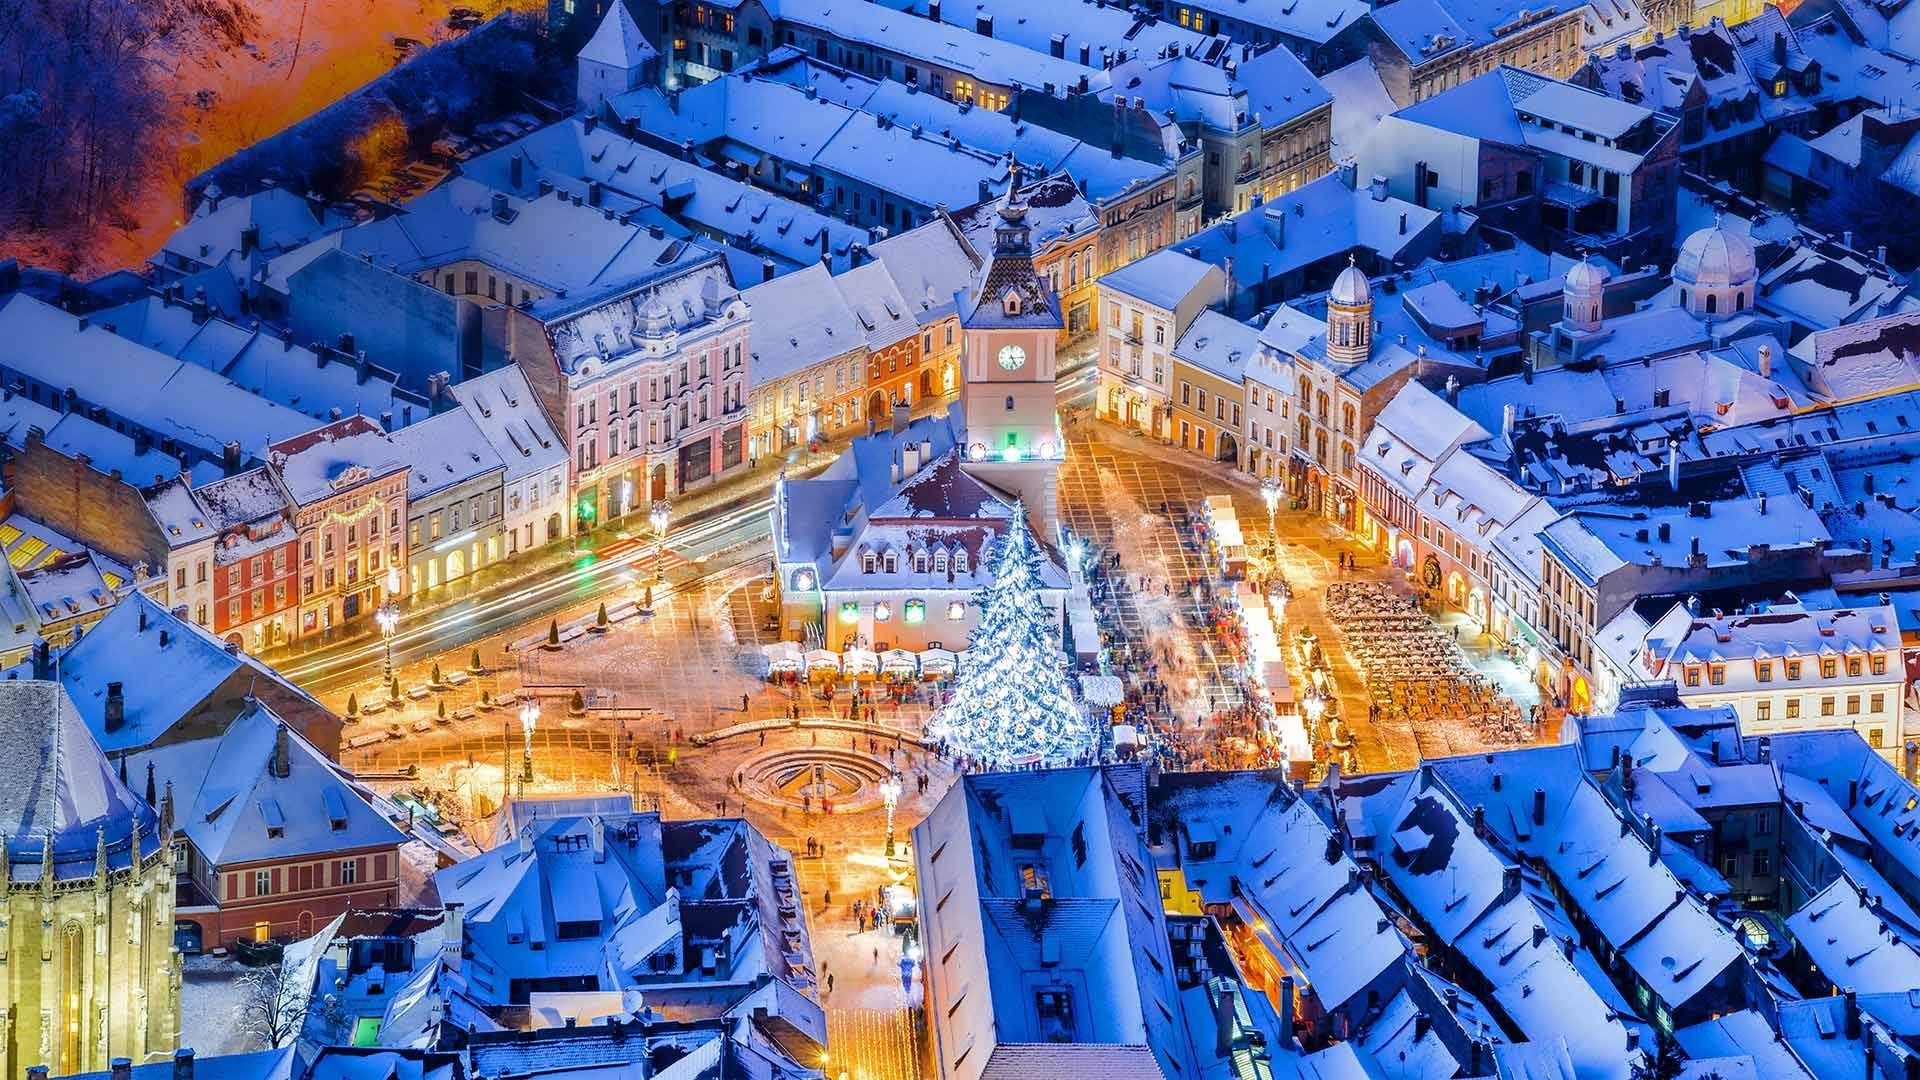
{"points": [[529, 719], [890, 789], [1314, 706], [658, 517], [388, 616], [1270, 494]]}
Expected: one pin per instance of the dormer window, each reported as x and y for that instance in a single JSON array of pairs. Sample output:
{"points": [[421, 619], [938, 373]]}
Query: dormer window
{"points": [[960, 561], [939, 562], [867, 562], [893, 562], [1011, 302], [919, 562]]}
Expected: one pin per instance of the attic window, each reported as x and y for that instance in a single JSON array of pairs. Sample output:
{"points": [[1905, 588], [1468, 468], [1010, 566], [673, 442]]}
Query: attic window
{"points": [[1011, 302], [893, 562]]}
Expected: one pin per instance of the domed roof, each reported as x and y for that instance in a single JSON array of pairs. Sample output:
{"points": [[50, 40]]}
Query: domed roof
{"points": [[1715, 256], [1585, 276], [1350, 289]]}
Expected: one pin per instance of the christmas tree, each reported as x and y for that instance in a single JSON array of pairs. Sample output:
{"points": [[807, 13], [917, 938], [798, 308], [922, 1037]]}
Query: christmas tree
{"points": [[1010, 703]]}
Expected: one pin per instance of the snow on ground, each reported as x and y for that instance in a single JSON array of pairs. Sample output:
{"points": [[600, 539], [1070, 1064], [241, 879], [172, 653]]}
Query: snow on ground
{"points": [[210, 999]]}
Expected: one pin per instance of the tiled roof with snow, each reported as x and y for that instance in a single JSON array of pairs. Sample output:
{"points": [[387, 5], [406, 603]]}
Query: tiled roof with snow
{"points": [[502, 405], [444, 450], [339, 455]]}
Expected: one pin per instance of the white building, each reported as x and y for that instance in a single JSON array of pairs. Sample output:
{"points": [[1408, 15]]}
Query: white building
{"points": [[1146, 306], [1782, 669], [535, 482]]}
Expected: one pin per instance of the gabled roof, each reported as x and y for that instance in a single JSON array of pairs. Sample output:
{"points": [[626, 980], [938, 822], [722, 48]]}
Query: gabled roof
{"points": [[236, 809]]}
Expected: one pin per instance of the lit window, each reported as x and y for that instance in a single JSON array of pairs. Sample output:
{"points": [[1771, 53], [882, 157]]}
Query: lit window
{"points": [[850, 612], [916, 611], [956, 609]]}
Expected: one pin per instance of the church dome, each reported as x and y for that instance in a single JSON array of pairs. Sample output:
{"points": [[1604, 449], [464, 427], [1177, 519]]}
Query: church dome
{"points": [[1350, 289], [1715, 257], [1586, 276]]}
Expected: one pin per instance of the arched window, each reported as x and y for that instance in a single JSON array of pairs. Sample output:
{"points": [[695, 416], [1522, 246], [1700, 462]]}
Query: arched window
{"points": [[1740, 300], [1009, 402], [1713, 303]]}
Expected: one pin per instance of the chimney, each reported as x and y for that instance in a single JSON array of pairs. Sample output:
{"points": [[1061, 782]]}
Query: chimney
{"points": [[120, 1069], [249, 239], [1779, 47], [983, 25], [42, 660], [36, 1072], [1058, 46], [986, 192], [597, 838], [1653, 846], [1377, 187], [1850, 1001], [933, 10], [282, 763], [516, 170], [1403, 223], [455, 933], [1506, 421], [1673, 464], [116, 707], [183, 1063], [230, 458], [1539, 806], [1286, 1010], [767, 269], [1225, 1003], [1766, 361], [164, 636], [1666, 532], [594, 193], [201, 310]]}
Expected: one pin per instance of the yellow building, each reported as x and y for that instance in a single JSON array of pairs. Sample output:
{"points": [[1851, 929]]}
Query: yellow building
{"points": [[87, 967]]}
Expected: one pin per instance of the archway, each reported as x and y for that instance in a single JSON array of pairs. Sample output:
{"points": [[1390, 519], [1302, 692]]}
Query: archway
{"points": [[1227, 449], [658, 483], [553, 528], [456, 563], [236, 641], [877, 410], [304, 924], [1477, 606], [1403, 554], [1456, 589]]}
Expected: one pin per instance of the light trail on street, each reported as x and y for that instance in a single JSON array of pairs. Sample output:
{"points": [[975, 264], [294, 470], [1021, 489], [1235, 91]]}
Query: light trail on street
{"points": [[471, 620]]}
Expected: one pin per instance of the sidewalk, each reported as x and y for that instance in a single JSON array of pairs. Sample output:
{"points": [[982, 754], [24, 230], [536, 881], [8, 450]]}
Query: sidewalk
{"points": [[508, 575]]}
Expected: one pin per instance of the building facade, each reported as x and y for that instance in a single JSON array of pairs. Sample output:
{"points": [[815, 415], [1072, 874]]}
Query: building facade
{"points": [[87, 900], [347, 484]]}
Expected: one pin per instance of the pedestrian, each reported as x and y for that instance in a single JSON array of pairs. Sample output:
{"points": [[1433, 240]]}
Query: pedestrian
{"points": [[743, 703], [829, 897], [829, 982], [763, 738], [876, 955]]}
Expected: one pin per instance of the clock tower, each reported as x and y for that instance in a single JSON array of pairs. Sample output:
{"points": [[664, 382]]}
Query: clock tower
{"points": [[1011, 320]]}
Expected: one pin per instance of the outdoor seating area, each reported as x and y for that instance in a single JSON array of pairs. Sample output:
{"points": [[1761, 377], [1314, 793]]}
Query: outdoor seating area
{"points": [[1415, 672]]}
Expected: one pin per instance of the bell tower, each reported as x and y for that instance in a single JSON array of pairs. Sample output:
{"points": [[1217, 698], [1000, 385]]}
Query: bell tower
{"points": [[1011, 320]]}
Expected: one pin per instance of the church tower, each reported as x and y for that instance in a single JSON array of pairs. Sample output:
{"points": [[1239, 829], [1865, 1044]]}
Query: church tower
{"points": [[1349, 317], [1011, 321]]}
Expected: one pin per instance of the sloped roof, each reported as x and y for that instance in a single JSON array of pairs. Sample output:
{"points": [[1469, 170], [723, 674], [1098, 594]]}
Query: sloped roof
{"points": [[618, 41]]}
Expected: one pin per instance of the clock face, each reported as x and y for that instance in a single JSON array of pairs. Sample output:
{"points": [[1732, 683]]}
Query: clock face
{"points": [[1012, 356]]}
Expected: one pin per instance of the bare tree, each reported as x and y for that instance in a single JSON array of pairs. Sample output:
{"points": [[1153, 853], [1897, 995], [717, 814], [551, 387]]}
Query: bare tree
{"points": [[273, 1004]]}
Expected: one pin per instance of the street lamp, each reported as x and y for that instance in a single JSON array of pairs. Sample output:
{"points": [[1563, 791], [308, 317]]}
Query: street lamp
{"points": [[658, 516], [1270, 494], [890, 789], [1314, 706], [388, 616], [529, 718]]}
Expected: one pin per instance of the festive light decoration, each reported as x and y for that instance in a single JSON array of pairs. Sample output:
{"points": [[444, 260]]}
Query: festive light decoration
{"points": [[916, 611], [1010, 704]]}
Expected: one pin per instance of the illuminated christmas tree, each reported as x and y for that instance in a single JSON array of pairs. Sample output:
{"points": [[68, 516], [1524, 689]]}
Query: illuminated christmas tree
{"points": [[1010, 702]]}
